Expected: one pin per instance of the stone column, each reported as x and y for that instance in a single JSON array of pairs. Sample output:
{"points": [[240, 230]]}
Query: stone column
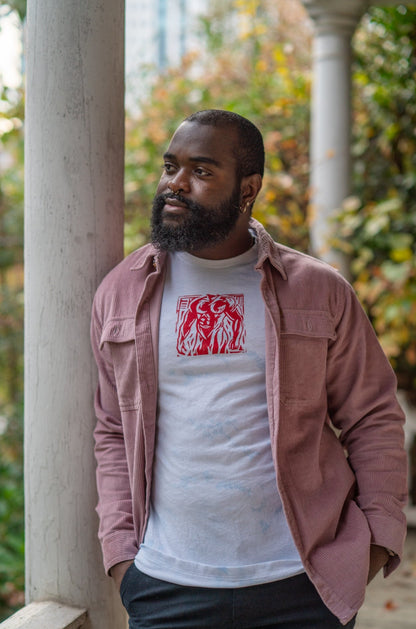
{"points": [[335, 22], [73, 235]]}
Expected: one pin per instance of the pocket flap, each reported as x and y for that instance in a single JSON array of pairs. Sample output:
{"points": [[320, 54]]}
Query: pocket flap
{"points": [[118, 331], [311, 323]]}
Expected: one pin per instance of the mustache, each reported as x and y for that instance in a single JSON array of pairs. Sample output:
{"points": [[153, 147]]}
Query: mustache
{"points": [[160, 200]]}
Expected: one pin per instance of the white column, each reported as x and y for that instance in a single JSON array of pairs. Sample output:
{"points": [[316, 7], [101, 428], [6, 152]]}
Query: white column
{"points": [[335, 22], [73, 235]]}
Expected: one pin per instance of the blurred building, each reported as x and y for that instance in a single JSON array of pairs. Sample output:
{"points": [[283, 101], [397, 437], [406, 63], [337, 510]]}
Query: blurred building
{"points": [[160, 32]]}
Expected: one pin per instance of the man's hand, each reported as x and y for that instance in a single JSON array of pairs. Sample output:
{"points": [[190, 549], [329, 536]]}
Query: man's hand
{"points": [[118, 571], [379, 556]]}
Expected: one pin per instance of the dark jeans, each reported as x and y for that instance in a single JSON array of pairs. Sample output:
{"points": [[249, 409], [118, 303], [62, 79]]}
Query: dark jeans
{"points": [[288, 604]]}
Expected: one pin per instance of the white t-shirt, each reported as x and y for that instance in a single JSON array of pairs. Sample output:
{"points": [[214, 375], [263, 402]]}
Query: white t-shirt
{"points": [[216, 518]]}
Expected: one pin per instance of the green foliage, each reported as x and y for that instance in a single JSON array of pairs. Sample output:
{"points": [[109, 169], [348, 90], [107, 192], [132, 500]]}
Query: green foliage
{"points": [[380, 238], [11, 342], [266, 78], [385, 105], [11, 351], [11, 532], [378, 228]]}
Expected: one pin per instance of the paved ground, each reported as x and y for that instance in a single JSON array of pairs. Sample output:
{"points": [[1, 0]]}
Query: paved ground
{"points": [[391, 603]]}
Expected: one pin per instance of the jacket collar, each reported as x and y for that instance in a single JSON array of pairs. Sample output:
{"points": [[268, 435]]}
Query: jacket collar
{"points": [[268, 249], [142, 257]]}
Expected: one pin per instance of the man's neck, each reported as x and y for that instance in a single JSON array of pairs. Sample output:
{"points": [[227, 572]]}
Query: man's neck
{"points": [[233, 246]]}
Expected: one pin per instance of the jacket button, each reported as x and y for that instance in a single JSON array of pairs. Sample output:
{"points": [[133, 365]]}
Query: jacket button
{"points": [[309, 326], [115, 331]]}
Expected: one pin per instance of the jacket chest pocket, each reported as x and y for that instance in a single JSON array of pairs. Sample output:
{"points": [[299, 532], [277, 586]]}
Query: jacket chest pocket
{"points": [[303, 354], [119, 335]]}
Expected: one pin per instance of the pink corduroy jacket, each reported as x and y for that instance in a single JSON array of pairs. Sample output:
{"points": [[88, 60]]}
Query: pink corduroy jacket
{"points": [[324, 369]]}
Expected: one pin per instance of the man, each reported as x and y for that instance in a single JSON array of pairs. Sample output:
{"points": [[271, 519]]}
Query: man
{"points": [[226, 498]]}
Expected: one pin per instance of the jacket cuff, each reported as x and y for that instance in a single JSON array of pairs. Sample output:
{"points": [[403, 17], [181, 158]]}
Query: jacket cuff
{"points": [[390, 533], [120, 546]]}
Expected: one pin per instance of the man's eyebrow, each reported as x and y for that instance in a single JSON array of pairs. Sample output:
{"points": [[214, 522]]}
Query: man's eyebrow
{"points": [[169, 156], [205, 160], [197, 158]]}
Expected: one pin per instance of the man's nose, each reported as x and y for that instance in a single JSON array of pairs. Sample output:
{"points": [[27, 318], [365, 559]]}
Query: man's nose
{"points": [[179, 183]]}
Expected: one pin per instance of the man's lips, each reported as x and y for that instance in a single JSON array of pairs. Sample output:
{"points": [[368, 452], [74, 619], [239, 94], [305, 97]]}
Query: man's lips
{"points": [[174, 206]]}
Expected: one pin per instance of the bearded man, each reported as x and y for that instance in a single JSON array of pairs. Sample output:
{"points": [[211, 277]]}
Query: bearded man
{"points": [[226, 498]]}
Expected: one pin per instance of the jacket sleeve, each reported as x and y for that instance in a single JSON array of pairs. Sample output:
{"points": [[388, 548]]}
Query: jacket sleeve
{"points": [[362, 402], [116, 528]]}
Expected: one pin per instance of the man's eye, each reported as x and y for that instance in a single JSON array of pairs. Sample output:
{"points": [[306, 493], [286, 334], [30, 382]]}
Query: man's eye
{"points": [[201, 171], [168, 168]]}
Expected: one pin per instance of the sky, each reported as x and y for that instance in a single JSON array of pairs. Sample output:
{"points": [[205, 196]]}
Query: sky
{"points": [[10, 51]]}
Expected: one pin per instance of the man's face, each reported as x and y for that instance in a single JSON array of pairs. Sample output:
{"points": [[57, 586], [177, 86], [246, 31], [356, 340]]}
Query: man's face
{"points": [[197, 202]]}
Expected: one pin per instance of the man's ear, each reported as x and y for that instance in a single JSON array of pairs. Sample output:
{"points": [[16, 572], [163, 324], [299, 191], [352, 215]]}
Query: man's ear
{"points": [[250, 187]]}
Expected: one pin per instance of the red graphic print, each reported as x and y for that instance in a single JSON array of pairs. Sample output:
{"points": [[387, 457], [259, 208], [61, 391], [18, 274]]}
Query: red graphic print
{"points": [[210, 324]]}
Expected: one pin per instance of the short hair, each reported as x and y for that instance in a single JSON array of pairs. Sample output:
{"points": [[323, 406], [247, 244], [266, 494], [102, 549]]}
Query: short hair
{"points": [[250, 149]]}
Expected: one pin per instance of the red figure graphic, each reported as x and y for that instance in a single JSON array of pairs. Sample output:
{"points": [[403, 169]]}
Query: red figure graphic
{"points": [[210, 324]]}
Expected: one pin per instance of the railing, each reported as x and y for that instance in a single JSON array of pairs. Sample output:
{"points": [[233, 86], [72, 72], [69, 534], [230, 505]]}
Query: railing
{"points": [[47, 615]]}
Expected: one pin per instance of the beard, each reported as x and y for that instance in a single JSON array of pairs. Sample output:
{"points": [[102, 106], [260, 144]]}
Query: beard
{"points": [[200, 227]]}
